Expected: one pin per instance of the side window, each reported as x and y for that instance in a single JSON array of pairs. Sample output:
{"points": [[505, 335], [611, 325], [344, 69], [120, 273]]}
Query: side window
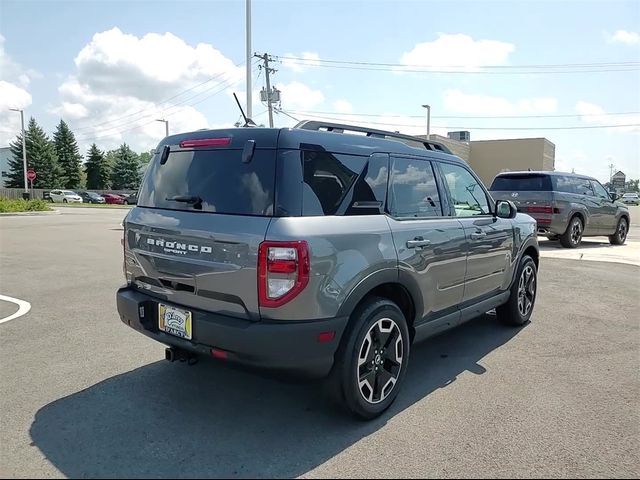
{"points": [[327, 179], [370, 189], [563, 184], [583, 187], [412, 189], [600, 190], [467, 194]]}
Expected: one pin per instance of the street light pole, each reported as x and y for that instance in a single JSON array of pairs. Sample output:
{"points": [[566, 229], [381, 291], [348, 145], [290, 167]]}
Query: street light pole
{"points": [[248, 59], [166, 126], [428, 107], [24, 148]]}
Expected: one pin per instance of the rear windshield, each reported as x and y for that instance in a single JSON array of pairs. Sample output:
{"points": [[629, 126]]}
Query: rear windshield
{"points": [[214, 181], [522, 183]]}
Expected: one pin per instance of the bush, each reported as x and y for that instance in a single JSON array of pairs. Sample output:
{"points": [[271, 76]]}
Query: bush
{"points": [[18, 205]]}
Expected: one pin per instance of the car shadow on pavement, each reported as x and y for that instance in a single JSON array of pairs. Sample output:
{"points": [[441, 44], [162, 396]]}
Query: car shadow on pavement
{"points": [[173, 421], [586, 244]]}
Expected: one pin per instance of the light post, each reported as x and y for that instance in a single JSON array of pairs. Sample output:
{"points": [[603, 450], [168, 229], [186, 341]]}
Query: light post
{"points": [[166, 126], [428, 107], [24, 148]]}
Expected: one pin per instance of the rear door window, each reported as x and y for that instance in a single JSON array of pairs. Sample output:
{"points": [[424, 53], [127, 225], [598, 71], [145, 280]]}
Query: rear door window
{"points": [[570, 184], [413, 192], [521, 183], [216, 180]]}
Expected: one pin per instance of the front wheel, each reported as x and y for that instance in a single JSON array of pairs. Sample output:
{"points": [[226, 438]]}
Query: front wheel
{"points": [[372, 360], [518, 309], [64, 200], [622, 230]]}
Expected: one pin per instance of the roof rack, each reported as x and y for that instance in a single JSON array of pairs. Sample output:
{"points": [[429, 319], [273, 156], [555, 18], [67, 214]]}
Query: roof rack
{"points": [[370, 132]]}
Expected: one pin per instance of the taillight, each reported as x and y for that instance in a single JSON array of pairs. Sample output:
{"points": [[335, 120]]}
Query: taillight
{"points": [[205, 142], [539, 209], [283, 271]]}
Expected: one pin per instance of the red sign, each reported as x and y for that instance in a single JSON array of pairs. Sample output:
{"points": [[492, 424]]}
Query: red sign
{"points": [[31, 174]]}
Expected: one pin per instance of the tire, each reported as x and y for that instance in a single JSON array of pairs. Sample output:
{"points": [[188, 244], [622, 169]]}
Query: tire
{"points": [[622, 229], [64, 200], [375, 349], [572, 237], [517, 311]]}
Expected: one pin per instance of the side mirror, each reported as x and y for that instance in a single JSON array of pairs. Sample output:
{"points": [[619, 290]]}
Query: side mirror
{"points": [[505, 209], [614, 196]]}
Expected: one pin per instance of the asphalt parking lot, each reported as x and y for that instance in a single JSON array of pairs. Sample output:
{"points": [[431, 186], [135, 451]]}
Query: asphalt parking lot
{"points": [[85, 396]]}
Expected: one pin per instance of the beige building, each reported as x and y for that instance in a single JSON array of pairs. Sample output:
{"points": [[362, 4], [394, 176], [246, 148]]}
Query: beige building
{"points": [[490, 157]]}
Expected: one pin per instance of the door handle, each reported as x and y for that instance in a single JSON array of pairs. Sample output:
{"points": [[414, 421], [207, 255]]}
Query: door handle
{"points": [[418, 242], [478, 235]]}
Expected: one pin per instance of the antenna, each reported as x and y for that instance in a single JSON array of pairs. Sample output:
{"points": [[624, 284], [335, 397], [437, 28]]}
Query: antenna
{"points": [[247, 121]]}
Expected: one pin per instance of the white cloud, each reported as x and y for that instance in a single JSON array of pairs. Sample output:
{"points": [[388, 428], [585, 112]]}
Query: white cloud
{"points": [[14, 82], [296, 95], [593, 114], [342, 106], [460, 102], [123, 83], [457, 50], [309, 59], [622, 36]]}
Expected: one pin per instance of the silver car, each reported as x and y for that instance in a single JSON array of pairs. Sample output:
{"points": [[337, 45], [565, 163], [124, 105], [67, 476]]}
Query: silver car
{"points": [[566, 206], [630, 199]]}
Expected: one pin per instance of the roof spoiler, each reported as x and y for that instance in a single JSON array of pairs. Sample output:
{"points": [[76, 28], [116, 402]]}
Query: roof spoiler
{"points": [[370, 132]]}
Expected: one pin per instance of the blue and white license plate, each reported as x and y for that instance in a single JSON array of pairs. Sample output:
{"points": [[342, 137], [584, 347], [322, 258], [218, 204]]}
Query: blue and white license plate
{"points": [[175, 321]]}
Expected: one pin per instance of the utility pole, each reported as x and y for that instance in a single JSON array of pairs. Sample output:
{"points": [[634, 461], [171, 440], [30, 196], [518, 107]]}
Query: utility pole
{"points": [[611, 169], [166, 126], [248, 59], [24, 148], [269, 93], [428, 107]]}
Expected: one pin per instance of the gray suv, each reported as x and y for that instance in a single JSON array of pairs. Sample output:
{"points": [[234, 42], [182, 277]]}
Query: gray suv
{"points": [[325, 249], [566, 206]]}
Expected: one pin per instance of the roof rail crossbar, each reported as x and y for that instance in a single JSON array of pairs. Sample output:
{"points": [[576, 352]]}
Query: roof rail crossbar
{"points": [[370, 132]]}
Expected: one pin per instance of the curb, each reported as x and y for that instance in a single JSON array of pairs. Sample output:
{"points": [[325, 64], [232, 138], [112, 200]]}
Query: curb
{"points": [[29, 214]]}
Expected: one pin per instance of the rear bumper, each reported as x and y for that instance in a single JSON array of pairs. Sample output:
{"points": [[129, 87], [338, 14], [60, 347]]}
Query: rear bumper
{"points": [[284, 346]]}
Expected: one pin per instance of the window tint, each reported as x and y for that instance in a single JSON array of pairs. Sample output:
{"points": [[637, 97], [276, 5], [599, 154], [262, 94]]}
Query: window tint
{"points": [[467, 195], [327, 179], [567, 184], [599, 190], [522, 183], [412, 189], [218, 178]]}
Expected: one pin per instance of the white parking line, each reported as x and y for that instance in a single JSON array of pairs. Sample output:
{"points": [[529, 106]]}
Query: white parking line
{"points": [[23, 308]]}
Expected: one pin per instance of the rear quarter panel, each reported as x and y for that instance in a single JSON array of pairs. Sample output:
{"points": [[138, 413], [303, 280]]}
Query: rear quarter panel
{"points": [[344, 251]]}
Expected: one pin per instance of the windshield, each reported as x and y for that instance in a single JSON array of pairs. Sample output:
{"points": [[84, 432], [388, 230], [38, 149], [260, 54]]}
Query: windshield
{"points": [[215, 181]]}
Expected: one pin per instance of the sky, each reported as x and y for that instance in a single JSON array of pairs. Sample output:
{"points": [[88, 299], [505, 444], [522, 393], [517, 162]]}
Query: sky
{"points": [[498, 69]]}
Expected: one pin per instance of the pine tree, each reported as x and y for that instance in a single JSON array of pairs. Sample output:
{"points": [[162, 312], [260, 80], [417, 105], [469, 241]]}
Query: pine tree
{"points": [[98, 169], [126, 170], [69, 157], [41, 156]]}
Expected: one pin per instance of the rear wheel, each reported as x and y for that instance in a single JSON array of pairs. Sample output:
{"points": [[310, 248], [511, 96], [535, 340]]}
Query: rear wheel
{"points": [[622, 230], [572, 237], [371, 362], [64, 200], [517, 311]]}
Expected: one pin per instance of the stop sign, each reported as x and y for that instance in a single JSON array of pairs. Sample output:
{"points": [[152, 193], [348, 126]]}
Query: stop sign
{"points": [[31, 174]]}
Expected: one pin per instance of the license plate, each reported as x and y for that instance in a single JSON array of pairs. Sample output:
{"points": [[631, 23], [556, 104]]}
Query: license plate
{"points": [[175, 321]]}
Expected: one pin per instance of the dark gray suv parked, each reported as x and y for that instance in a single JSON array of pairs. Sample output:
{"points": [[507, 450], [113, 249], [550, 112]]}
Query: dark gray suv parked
{"points": [[316, 251], [566, 206]]}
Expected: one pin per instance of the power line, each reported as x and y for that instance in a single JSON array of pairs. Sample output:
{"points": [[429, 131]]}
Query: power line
{"points": [[467, 127], [477, 70], [311, 112]]}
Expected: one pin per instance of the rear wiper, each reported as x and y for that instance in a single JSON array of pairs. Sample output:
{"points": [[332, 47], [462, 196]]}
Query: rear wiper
{"points": [[191, 199]]}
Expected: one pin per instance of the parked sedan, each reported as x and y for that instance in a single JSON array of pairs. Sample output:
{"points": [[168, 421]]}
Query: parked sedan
{"points": [[630, 199], [91, 197], [64, 196], [113, 199], [131, 199]]}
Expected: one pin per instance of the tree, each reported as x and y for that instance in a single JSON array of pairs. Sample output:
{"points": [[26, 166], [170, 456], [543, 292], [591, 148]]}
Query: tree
{"points": [[126, 170], [632, 186], [41, 156], [98, 169], [69, 157]]}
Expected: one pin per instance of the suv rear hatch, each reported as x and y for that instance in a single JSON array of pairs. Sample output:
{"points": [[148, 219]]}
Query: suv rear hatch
{"points": [[531, 192], [202, 212]]}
